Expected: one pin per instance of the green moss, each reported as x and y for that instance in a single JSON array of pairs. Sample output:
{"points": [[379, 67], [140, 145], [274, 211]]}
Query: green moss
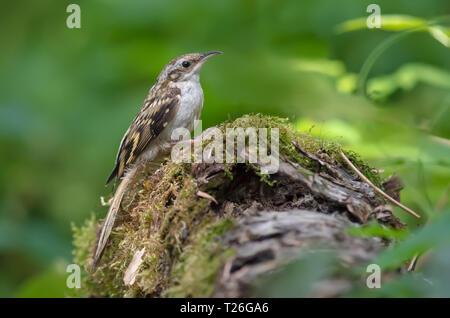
{"points": [[327, 150], [178, 229], [195, 273], [83, 240], [169, 220]]}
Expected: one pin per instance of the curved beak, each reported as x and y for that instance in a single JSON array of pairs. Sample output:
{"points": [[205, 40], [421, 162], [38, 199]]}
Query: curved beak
{"points": [[207, 55]]}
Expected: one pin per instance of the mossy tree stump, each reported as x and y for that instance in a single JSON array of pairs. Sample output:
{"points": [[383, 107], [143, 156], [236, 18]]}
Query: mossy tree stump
{"points": [[248, 226]]}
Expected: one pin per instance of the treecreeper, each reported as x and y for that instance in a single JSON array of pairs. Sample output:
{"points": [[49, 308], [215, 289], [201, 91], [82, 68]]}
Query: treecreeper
{"points": [[175, 101]]}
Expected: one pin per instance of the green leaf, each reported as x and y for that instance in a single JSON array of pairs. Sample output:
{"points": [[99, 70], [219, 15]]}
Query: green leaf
{"points": [[389, 22], [375, 229], [406, 78], [332, 68], [441, 34], [394, 22], [434, 235]]}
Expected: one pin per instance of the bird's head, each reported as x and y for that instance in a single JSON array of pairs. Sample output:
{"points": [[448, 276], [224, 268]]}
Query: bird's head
{"points": [[185, 67]]}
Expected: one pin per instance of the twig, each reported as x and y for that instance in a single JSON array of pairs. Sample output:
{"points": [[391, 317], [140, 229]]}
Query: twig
{"points": [[364, 178], [439, 207], [412, 263], [131, 272], [206, 196]]}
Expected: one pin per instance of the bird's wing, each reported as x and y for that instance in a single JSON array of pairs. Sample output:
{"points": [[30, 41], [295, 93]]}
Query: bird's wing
{"points": [[158, 110]]}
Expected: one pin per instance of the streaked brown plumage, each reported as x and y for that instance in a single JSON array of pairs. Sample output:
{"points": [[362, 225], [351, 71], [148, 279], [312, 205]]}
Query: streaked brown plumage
{"points": [[159, 108], [175, 101]]}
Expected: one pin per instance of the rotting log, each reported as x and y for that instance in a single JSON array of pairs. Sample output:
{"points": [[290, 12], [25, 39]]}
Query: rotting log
{"points": [[196, 230]]}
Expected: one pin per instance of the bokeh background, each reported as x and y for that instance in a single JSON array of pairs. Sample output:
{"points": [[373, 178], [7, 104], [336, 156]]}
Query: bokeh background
{"points": [[68, 95]]}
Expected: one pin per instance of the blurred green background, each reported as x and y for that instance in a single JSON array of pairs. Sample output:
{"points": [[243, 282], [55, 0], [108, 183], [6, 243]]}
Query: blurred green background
{"points": [[68, 95]]}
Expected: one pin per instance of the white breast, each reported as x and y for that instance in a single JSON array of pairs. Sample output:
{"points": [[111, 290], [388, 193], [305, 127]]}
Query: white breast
{"points": [[191, 104]]}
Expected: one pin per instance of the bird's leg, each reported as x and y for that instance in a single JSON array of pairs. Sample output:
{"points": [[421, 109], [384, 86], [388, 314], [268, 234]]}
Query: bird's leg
{"points": [[105, 203], [186, 150], [191, 141]]}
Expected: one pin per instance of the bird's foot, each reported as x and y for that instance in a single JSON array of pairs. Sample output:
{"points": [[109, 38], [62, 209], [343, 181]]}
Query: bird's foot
{"points": [[190, 141], [105, 203], [184, 154]]}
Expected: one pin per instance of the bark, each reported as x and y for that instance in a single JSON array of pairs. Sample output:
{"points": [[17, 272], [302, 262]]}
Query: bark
{"points": [[219, 230]]}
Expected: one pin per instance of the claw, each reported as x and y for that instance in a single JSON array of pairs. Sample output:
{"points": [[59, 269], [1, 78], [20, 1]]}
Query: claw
{"points": [[105, 203]]}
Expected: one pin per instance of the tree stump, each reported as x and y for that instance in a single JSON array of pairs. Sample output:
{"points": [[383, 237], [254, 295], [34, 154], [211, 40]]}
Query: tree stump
{"points": [[226, 230]]}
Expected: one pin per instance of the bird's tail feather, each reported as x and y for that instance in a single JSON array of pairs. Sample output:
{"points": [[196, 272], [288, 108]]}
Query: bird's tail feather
{"points": [[112, 213], [113, 175]]}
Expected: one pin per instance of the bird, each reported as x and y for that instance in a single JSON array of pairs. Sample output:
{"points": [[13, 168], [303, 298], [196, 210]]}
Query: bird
{"points": [[174, 101]]}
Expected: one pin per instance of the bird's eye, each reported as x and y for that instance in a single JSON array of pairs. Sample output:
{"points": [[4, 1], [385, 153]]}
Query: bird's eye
{"points": [[186, 64]]}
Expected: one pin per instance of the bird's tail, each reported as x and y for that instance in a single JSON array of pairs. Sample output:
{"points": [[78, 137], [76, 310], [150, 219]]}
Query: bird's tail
{"points": [[112, 213]]}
